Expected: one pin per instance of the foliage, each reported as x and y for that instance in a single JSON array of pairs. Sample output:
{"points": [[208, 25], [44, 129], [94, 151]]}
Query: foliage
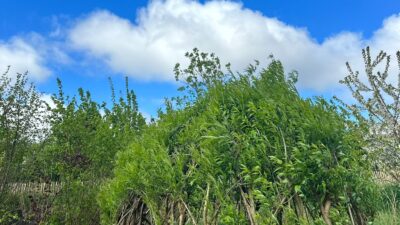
{"points": [[73, 143], [243, 149], [22, 115], [82, 146], [8, 217], [378, 106], [389, 213], [233, 148]]}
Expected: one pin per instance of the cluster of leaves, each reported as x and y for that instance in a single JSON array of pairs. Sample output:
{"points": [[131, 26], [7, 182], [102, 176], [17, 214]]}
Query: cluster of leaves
{"points": [[85, 138], [73, 143], [234, 148], [242, 149], [21, 116]]}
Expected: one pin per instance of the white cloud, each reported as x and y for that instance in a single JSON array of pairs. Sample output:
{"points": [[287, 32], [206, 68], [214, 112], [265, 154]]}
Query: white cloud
{"points": [[22, 57], [48, 99], [164, 30], [387, 38]]}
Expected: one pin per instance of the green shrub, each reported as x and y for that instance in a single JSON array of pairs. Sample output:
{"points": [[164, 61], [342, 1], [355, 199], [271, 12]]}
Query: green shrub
{"points": [[243, 149]]}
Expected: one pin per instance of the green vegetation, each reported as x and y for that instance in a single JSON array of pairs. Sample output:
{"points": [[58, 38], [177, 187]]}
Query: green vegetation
{"points": [[379, 99], [233, 148], [81, 138]]}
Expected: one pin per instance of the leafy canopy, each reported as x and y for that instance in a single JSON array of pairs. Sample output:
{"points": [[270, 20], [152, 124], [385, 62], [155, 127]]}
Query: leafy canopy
{"points": [[241, 148]]}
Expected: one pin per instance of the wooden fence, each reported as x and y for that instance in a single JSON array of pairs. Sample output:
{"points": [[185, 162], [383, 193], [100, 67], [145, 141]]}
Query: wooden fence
{"points": [[35, 188]]}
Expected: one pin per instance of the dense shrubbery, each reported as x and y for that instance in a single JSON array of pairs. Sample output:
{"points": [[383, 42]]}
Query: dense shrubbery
{"points": [[82, 146], [243, 149], [75, 146], [233, 148]]}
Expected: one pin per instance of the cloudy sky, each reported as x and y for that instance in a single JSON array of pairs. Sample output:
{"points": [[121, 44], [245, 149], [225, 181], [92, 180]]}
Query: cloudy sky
{"points": [[85, 42]]}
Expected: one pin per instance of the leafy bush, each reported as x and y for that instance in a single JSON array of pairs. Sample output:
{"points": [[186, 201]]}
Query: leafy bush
{"points": [[73, 144], [81, 148], [242, 149]]}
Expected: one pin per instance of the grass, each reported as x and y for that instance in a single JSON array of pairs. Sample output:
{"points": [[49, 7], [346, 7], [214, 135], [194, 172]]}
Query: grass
{"points": [[391, 213]]}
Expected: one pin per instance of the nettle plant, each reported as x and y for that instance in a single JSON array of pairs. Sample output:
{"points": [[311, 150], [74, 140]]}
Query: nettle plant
{"points": [[378, 107], [242, 148]]}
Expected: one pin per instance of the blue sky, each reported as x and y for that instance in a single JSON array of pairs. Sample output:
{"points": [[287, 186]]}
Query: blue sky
{"points": [[85, 42]]}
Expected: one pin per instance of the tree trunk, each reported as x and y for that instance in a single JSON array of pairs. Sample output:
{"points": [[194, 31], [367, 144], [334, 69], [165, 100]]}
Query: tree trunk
{"points": [[249, 205], [300, 209], [325, 207]]}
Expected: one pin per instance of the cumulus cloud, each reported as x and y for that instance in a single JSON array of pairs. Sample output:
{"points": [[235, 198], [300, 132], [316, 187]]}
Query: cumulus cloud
{"points": [[22, 57], [148, 48]]}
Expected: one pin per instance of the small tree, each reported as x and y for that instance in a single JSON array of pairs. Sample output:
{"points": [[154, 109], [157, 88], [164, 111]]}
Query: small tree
{"points": [[378, 107], [21, 123], [22, 115], [85, 136]]}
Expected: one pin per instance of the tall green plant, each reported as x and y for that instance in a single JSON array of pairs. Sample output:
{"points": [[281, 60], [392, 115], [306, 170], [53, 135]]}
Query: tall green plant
{"points": [[22, 115], [242, 149], [79, 152]]}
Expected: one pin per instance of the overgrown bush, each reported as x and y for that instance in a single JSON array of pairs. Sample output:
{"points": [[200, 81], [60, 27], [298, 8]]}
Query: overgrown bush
{"points": [[242, 149], [74, 144], [85, 136]]}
